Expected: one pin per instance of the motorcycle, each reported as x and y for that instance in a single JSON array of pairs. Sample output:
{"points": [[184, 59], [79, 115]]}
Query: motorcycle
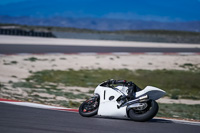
{"points": [[122, 99]]}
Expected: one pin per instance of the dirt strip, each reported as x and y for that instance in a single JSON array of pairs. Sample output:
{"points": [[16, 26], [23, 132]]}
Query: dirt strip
{"points": [[17, 67]]}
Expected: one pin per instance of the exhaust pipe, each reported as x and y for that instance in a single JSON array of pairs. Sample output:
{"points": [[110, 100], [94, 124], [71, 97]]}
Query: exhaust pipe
{"points": [[140, 99]]}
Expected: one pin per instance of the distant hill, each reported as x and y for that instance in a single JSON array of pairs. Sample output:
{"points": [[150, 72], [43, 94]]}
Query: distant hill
{"points": [[103, 24]]}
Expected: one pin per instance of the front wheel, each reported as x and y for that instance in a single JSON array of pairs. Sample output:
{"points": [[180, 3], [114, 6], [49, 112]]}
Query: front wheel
{"points": [[145, 114], [89, 108]]}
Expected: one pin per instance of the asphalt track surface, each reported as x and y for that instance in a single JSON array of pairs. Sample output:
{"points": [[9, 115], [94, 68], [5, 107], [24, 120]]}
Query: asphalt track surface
{"points": [[20, 119], [14, 49]]}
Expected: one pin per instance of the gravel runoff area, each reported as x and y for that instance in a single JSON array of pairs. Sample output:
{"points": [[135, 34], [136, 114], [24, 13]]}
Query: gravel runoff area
{"points": [[16, 67]]}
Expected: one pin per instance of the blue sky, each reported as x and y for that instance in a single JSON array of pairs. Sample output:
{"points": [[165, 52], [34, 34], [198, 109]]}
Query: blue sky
{"points": [[152, 10]]}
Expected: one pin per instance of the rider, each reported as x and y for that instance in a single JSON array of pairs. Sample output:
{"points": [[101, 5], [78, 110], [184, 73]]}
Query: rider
{"points": [[132, 88]]}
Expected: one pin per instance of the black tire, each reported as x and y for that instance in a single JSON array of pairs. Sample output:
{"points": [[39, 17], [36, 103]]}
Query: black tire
{"points": [[87, 114], [147, 114]]}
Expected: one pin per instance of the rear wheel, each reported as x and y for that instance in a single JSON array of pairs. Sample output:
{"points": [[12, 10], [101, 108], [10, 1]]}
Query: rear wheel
{"points": [[89, 108], [144, 114]]}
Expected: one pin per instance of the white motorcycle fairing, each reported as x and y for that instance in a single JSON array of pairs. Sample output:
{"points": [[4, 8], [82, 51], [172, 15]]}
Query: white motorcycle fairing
{"points": [[152, 92], [108, 99], [108, 107]]}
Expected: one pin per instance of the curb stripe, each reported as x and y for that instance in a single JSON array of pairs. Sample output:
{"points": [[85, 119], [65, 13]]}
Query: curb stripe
{"points": [[70, 110], [8, 100], [109, 53]]}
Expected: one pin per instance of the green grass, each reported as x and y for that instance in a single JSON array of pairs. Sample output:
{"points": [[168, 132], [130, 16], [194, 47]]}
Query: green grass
{"points": [[33, 59], [11, 63], [179, 111], [50, 89], [24, 84], [177, 84], [191, 67]]}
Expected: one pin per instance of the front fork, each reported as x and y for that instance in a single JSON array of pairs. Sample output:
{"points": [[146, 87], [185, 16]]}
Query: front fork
{"points": [[94, 101]]}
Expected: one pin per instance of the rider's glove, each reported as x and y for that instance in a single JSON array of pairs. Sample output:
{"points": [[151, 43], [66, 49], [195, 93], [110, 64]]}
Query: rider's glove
{"points": [[111, 81], [130, 83]]}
